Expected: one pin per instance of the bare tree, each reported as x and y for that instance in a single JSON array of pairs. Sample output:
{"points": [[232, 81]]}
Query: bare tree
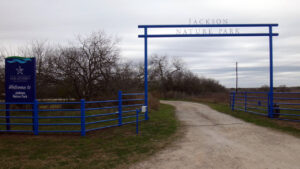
{"points": [[171, 76], [89, 66], [42, 51]]}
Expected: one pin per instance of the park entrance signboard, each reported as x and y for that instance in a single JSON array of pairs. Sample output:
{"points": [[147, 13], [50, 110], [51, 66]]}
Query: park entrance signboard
{"points": [[20, 79]]}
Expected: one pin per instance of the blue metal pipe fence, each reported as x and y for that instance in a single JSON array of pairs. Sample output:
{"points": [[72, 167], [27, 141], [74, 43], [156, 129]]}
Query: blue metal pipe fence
{"points": [[83, 117], [276, 105]]}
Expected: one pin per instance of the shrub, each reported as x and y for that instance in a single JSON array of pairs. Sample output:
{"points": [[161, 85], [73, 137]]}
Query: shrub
{"points": [[153, 102]]}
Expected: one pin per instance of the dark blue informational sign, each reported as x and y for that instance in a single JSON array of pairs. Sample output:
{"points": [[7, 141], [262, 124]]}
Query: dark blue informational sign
{"points": [[20, 79]]}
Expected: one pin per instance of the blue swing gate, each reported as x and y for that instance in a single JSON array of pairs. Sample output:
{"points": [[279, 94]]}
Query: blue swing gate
{"points": [[285, 106], [72, 117]]}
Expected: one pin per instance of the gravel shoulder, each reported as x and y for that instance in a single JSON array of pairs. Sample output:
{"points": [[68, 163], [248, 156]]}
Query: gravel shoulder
{"points": [[213, 140]]}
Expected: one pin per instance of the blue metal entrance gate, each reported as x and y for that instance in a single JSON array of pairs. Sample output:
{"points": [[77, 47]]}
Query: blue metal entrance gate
{"points": [[270, 34]]}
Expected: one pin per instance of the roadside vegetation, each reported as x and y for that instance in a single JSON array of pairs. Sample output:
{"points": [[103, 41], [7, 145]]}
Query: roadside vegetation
{"points": [[285, 126], [109, 148], [222, 106]]}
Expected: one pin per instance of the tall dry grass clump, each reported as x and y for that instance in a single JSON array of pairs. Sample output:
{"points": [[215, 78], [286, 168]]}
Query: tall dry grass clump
{"points": [[153, 102]]}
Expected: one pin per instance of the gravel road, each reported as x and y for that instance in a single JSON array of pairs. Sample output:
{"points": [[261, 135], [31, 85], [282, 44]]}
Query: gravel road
{"points": [[214, 140]]}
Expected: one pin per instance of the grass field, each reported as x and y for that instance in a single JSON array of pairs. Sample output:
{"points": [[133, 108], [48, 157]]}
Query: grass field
{"points": [[108, 148]]}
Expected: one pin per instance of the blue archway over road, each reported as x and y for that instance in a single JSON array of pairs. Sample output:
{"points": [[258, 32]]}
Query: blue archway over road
{"points": [[269, 34]]}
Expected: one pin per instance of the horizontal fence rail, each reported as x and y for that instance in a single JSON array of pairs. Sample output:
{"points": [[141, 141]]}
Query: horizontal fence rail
{"points": [[71, 117], [286, 105]]}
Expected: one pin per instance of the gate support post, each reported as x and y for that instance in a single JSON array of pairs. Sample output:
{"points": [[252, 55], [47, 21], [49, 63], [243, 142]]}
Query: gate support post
{"points": [[146, 73], [270, 113]]}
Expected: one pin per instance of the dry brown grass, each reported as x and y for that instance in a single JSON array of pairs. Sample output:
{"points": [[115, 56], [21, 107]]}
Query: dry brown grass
{"points": [[153, 102]]}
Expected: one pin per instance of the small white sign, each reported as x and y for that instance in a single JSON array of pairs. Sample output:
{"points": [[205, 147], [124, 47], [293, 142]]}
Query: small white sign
{"points": [[144, 108]]}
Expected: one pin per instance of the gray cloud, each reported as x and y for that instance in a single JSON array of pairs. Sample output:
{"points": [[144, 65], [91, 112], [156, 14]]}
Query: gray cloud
{"points": [[60, 20]]}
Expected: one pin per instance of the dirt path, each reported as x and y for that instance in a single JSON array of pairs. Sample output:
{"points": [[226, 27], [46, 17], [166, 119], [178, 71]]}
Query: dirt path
{"points": [[213, 140]]}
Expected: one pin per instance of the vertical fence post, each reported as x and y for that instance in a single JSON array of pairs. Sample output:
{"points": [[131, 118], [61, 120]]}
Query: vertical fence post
{"points": [[270, 105], [7, 114], [230, 97], [137, 121], [233, 100], [82, 115], [245, 101], [120, 107], [146, 114], [36, 117]]}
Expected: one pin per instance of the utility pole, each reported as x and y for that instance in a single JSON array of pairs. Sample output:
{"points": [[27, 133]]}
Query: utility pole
{"points": [[236, 77]]}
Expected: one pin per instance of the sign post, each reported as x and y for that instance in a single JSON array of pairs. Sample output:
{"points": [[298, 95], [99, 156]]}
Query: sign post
{"points": [[20, 78]]}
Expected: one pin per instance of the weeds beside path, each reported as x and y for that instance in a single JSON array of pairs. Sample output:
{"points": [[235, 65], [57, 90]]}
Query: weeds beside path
{"points": [[292, 128], [289, 127]]}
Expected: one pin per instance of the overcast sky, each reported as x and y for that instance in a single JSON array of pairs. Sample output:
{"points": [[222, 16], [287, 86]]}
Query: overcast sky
{"points": [[58, 21]]}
